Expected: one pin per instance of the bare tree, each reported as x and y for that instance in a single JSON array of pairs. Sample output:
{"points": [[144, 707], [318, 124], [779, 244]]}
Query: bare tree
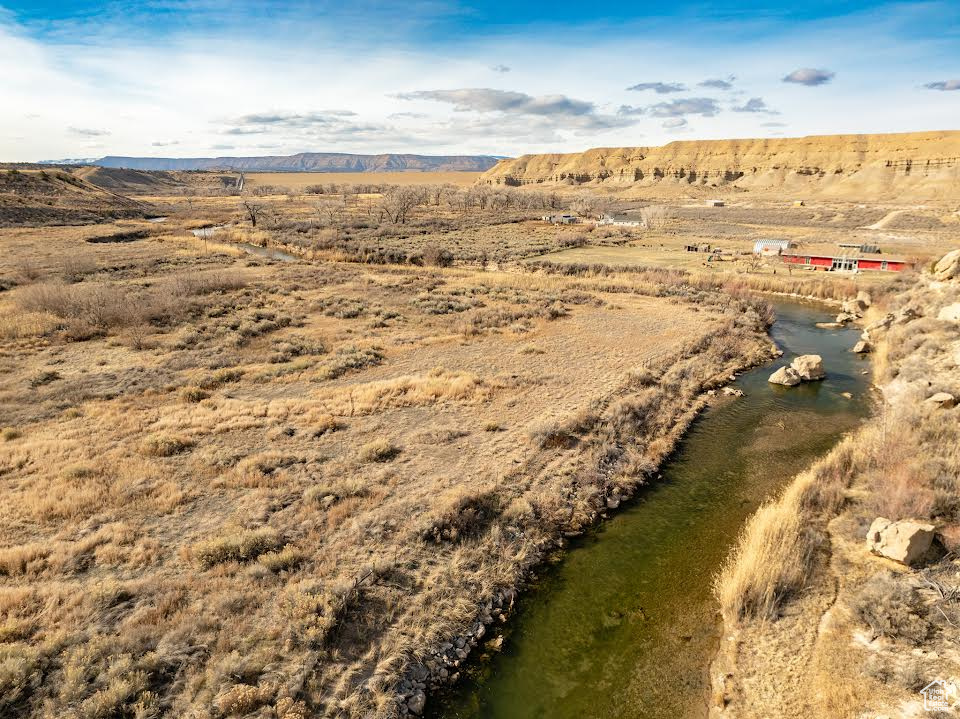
{"points": [[654, 217], [254, 211], [331, 209], [397, 202]]}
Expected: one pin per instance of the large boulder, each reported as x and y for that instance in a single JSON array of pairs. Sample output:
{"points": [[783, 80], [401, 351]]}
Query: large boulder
{"points": [[905, 541], [862, 347], [948, 267], [809, 367], [863, 297], [854, 307], [950, 313], [785, 375], [942, 400]]}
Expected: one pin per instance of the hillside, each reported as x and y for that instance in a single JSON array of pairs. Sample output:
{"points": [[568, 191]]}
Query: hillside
{"points": [[915, 166], [127, 181], [57, 197], [310, 162]]}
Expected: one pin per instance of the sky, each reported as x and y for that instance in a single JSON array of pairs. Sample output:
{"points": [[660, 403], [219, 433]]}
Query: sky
{"points": [[201, 78]]}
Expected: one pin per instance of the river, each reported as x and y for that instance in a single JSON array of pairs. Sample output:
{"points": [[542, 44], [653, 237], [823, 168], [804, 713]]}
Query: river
{"points": [[206, 233], [624, 624]]}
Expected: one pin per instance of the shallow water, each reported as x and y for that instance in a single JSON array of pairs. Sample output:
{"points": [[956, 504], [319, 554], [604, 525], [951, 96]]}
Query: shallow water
{"points": [[625, 624], [206, 233]]}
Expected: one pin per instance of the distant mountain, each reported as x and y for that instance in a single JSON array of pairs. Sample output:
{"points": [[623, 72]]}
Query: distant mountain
{"points": [[310, 162], [70, 161]]}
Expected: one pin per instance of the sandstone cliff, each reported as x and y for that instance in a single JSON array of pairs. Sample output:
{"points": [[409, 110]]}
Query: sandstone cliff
{"points": [[920, 165]]}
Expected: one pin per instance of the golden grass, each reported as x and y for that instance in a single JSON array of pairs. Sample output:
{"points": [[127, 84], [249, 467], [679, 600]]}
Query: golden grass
{"points": [[806, 550], [194, 517]]}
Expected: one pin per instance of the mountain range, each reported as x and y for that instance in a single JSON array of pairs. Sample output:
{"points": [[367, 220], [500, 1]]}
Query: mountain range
{"points": [[309, 162]]}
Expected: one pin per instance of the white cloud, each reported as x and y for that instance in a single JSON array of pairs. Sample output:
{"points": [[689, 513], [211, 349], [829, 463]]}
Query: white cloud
{"points": [[259, 91], [661, 88], [705, 106], [943, 85], [811, 77]]}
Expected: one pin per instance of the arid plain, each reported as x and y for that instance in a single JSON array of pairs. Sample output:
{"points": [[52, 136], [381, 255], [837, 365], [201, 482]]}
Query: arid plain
{"points": [[264, 453]]}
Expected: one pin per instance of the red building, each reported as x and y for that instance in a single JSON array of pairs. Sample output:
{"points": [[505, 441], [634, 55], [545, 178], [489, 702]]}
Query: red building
{"points": [[846, 263]]}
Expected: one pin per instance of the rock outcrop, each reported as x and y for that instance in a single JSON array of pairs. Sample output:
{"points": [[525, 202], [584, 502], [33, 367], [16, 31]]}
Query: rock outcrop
{"points": [[943, 400], [950, 313], [850, 166], [948, 267], [905, 541], [862, 347]]}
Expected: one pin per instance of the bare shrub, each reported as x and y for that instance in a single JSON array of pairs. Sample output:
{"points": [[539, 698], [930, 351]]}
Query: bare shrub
{"points": [[28, 271], [891, 608], [571, 238], [194, 394], [286, 559], [437, 256], [76, 267], [239, 546], [350, 358], [165, 446], [98, 305], [461, 515], [379, 450]]}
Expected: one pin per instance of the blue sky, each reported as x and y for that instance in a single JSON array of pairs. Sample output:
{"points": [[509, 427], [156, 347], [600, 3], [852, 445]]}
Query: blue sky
{"points": [[210, 77]]}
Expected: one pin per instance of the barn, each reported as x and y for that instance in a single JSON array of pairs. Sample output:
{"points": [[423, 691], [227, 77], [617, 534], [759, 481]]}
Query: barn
{"points": [[846, 262]]}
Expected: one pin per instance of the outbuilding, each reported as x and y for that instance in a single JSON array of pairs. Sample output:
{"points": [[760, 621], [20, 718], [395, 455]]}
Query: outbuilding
{"points": [[846, 263], [772, 247]]}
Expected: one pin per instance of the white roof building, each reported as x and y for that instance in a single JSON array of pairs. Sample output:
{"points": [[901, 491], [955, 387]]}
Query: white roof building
{"points": [[771, 247]]}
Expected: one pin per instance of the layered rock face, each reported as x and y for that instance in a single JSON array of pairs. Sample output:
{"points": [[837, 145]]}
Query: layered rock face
{"points": [[914, 165]]}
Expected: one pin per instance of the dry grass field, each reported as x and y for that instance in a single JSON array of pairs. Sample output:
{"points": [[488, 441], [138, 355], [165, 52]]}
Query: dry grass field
{"points": [[243, 486], [236, 487]]}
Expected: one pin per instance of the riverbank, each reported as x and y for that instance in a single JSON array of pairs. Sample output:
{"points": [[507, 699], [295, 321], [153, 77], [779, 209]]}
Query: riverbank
{"points": [[816, 625], [275, 486], [624, 624], [619, 444]]}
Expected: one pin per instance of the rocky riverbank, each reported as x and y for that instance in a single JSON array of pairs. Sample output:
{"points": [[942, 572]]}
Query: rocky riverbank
{"points": [[647, 425], [832, 608]]}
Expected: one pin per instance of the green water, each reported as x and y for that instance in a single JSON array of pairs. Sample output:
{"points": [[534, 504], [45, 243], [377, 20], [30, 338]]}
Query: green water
{"points": [[625, 624]]}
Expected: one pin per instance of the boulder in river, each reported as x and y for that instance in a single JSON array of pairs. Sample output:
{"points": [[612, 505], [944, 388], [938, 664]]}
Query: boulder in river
{"points": [[905, 541], [942, 400], [786, 376], [809, 367], [829, 325], [948, 267], [862, 347]]}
